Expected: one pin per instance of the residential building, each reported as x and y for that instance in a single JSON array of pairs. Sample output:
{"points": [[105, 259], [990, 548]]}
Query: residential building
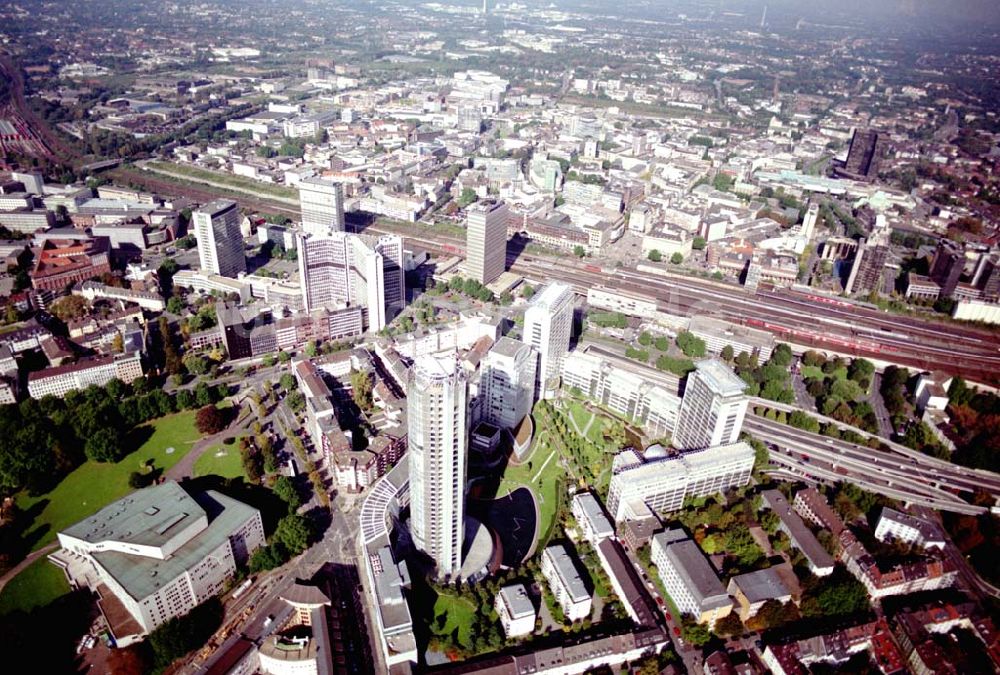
{"points": [[322, 203], [99, 370], [301, 644], [63, 262], [437, 413], [660, 482], [158, 553], [548, 326], [813, 507], [753, 589], [486, 241], [507, 382], [688, 577], [566, 583], [590, 518], [896, 526], [220, 242], [927, 639], [627, 584], [798, 657], [820, 562], [516, 611], [148, 300], [713, 407]]}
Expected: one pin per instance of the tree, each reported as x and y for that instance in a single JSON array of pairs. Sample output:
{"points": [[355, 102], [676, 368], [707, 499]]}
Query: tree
{"points": [[118, 343], [527, 290], [698, 243], [311, 349], [287, 382], [579, 251], [361, 389], [285, 490], [284, 357], [690, 344], [131, 660], [104, 445], [70, 307], [182, 634], [694, 633], [676, 258], [266, 558], [176, 305], [210, 420], [467, 197], [728, 625], [203, 394], [296, 401], [293, 532], [727, 354], [195, 364], [655, 255]]}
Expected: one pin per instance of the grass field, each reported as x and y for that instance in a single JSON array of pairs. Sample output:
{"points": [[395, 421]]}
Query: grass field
{"points": [[543, 482], [95, 484], [221, 460], [460, 614], [40, 583]]}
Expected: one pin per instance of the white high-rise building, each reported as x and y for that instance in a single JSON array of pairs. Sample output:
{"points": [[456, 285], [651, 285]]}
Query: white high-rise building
{"points": [[339, 269], [713, 407], [323, 270], [548, 326], [486, 241], [508, 382], [437, 412], [220, 242], [322, 203]]}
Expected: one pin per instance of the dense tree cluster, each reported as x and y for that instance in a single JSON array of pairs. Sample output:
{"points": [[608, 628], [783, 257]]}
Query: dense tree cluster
{"points": [[183, 634], [975, 418], [691, 345], [470, 288], [289, 540], [841, 389], [608, 319], [771, 380], [362, 389], [45, 439]]}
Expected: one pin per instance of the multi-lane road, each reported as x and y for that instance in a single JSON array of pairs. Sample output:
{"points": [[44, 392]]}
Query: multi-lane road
{"points": [[909, 477]]}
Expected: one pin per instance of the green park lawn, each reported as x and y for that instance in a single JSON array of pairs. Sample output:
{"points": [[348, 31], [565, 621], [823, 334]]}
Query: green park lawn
{"points": [[94, 485], [37, 585], [221, 460], [460, 614], [543, 482]]}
